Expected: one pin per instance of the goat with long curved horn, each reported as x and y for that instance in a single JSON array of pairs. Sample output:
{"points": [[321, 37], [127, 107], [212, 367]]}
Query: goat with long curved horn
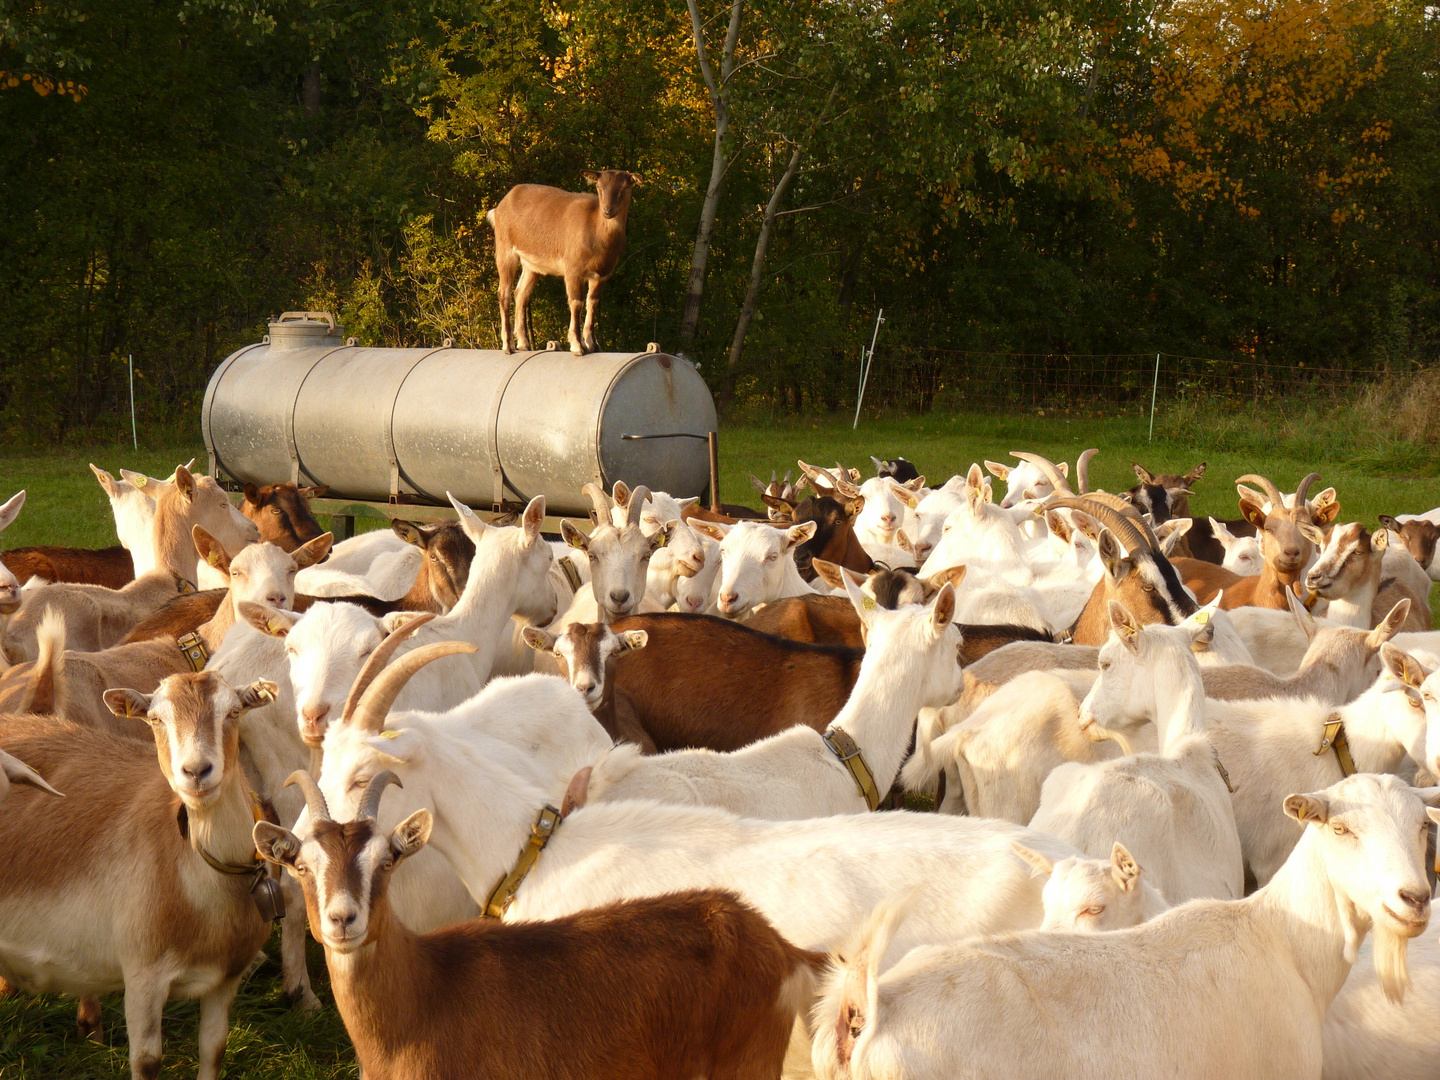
{"points": [[1082, 471], [1129, 531], [369, 807], [1277, 501], [1048, 467], [1304, 489], [375, 702], [378, 659], [600, 501], [314, 798], [636, 506]]}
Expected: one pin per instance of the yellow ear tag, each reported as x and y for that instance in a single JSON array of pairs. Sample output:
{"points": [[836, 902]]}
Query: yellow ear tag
{"points": [[389, 734], [664, 539], [1201, 618], [213, 558], [868, 603], [275, 625], [141, 481]]}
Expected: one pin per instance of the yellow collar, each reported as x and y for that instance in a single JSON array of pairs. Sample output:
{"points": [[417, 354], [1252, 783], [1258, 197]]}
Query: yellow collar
{"points": [[1334, 738], [503, 895], [844, 748], [192, 645]]}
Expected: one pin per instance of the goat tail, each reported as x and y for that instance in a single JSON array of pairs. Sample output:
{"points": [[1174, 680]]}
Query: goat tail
{"points": [[611, 768], [46, 689], [847, 1008], [935, 748], [490, 218]]}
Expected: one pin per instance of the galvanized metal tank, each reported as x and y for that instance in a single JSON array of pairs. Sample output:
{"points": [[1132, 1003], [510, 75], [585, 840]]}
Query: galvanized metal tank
{"points": [[307, 405]]}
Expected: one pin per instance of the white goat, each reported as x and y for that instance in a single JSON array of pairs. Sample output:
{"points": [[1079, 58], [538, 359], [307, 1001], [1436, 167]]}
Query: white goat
{"points": [[1142, 1002], [1089, 896], [1171, 808], [619, 557], [9, 587], [1027, 476], [981, 535], [697, 593], [911, 661], [757, 563], [1242, 553]]}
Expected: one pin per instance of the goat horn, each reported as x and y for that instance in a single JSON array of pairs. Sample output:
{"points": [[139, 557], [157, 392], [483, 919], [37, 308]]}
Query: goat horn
{"points": [[1304, 489], [1046, 466], [314, 799], [378, 659], [814, 472], [1124, 507], [1082, 470], [369, 807], [637, 505], [375, 703], [1125, 528], [600, 501], [1277, 501]]}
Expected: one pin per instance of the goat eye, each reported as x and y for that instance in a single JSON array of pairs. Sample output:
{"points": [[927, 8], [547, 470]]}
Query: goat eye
{"points": [[233, 713], [1340, 830], [276, 511], [1095, 910], [1105, 665], [1147, 587]]}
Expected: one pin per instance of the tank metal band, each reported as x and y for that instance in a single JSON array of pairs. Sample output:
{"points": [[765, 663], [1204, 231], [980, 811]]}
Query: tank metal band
{"points": [[395, 470], [291, 444], [492, 432]]}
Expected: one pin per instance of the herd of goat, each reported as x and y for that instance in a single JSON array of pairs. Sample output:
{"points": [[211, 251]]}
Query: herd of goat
{"points": [[1179, 770]]}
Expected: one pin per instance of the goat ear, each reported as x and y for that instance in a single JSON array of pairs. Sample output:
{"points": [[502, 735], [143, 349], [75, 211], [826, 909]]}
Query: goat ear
{"points": [[634, 639], [1402, 665], [1000, 472], [974, 478], [685, 504], [1086, 524], [573, 536], [252, 494], [1202, 627], [854, 508], [128, 703], [943, 613], [17, 772], [533, 518], [779, 505], [1112, 556], [260, 692], [1221, 533], [952, 576], [1141, 473], [1039, 864], [1125, 625], [11, 510], [1390, 625], [184, 482], [1327, 508], [411, 834], [635, 179], [276, 844], [863, 603], [904, 494], [1308, 809], [798, 534], [398, 746], [758, 484], [107, 481], [1379, 540], [1308, 626], [210, 549], [713, 529], [829, 572], [1252, 509], [621, 495], [469, 520], [1311, 533], [313, 551], [268, 620], [1056, 523], [903, 541], [1064, 469], [917, 484], [537, 639], [1195, 474], [1385, 519], [408, 531], [589, 176], [1123, 868], [317, 492], [663, 535]]}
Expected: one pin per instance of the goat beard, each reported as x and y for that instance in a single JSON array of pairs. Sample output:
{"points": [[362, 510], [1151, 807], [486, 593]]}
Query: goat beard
{"points": [[1392, 965]]}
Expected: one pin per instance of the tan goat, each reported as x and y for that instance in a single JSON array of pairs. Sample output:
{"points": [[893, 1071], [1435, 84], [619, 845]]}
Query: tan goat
{"points": [[103, 892], [543, 230]]}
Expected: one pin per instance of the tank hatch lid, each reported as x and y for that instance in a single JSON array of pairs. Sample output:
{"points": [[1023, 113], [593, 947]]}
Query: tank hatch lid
{"points": [[305, 330]]}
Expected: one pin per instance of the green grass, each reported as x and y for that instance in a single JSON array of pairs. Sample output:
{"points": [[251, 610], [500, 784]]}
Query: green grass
{"points": [[270, 1042]]}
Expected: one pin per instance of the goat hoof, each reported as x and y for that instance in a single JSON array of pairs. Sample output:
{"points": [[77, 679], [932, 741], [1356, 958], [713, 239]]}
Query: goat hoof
{"points": [[304, 1000]]}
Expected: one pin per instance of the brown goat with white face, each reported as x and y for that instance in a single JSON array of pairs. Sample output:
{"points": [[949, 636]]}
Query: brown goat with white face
{"points": [[580, 237], [103, 891], [1420, 538], [686, 985]]}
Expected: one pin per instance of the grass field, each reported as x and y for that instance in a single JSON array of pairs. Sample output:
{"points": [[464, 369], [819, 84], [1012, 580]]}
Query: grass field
{"points": [[267, 1040]]}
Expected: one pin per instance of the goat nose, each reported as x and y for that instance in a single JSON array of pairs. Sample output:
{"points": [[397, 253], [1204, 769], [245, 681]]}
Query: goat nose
{"points": [[1415, 898], [619, 596], [276, 600], [315, 713], [342, 918], [887, 519], [729, 599], [198, 772]]}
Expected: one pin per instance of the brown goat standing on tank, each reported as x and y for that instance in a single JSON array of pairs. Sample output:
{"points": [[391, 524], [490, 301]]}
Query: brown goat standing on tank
{"points": [[570, 234]]}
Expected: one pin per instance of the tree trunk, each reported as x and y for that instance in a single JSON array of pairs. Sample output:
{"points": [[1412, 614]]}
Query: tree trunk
{"points": [[757, 265], [719, 163]]}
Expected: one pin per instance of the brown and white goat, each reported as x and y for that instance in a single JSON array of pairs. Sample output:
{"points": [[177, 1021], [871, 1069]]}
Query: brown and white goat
{"points": [[282, 513], [95, 617], [1287, 540], [1166, 495], [1137, 574], [690, 984], [102, 892], [444, 569], [1349, 573], [587, 654], [575, 235], [1420, 538]]}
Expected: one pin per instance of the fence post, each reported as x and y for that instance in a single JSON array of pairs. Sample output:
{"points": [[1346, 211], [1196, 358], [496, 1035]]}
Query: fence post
{"points": [[865, 367], [134, 435], [1154, 387]]}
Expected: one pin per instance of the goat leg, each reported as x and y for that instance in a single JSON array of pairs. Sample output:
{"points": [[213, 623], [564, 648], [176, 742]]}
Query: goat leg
{"points": [[573, 287], [505, 268], [214, 1026], [528, 278], [294, 972], [592, 299]]}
